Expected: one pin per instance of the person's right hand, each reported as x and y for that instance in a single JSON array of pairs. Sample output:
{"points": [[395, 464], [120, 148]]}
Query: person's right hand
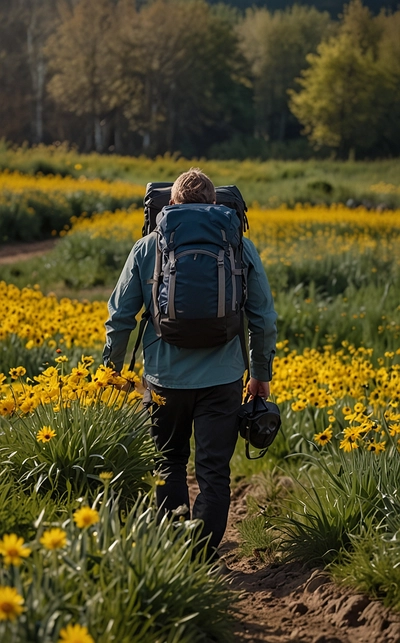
{"points": [[257, 387]]}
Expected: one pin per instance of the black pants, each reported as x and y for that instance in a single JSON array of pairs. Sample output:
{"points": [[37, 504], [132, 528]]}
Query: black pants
{"points": [[212, 412]]}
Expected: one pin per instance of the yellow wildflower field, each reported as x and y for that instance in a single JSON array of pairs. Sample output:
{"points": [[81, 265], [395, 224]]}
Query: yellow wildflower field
{"points": [[17, 183], [281, 234], [38, 319]]}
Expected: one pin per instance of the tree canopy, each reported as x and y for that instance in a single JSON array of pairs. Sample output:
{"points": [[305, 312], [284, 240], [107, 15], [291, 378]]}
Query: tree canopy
{"points": [[200, 78], [334, 7], [350, 91]]}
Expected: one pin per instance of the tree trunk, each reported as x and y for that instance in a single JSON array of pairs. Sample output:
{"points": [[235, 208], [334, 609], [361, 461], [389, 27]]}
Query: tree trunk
{"points": [[37, 67], [118, 142], [170, 127], [98, 137], [40, 74], [146, 142], [352, 154], [282, 126]]}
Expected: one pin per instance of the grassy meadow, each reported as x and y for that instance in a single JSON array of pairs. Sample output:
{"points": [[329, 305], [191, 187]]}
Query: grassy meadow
{"points": [[269, 183], [79, 524]]}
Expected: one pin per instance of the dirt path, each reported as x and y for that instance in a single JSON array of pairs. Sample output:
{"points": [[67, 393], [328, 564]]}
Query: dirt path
{"points": [[12, 252], [287, 603]]}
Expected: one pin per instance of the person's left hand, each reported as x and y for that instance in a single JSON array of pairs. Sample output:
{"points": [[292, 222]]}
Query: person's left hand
{"points": [[257, 387]]}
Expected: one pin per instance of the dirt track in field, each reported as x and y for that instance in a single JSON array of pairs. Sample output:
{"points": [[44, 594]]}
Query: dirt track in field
{"points": [[288, 603], [12, 252]]}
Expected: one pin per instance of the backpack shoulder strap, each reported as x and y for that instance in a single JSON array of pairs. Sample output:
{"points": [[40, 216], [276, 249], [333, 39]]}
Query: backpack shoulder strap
{"points": [[147, 313], [154, 293], [142, 325], [244, 346]]}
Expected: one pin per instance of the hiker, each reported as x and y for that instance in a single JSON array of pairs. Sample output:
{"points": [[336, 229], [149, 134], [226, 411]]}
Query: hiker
{"points": [[201, 387]]}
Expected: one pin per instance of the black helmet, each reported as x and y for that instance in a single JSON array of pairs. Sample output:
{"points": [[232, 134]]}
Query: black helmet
{"points": [[258, 423]]}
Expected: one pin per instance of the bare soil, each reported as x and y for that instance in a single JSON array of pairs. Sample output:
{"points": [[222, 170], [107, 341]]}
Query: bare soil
{"points": [[20, 251], [290, 603]]}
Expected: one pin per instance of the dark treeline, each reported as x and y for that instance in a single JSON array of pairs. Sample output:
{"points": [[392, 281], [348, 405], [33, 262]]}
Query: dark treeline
{"points": [[335, 7], [199, 79]]}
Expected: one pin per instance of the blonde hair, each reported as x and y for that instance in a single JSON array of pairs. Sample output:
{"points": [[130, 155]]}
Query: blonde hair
{"points": [[193, 186]]}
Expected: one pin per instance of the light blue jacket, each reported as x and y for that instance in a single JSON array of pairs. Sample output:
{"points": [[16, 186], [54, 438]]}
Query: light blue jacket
{"points": [[172, 367]]}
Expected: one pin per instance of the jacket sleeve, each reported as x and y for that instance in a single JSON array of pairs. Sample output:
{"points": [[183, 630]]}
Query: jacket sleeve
{"points": [[261, 315], [124, 304]]}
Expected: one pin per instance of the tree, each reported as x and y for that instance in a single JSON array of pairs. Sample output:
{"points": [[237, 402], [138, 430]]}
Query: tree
{"points": [[179, 73], [336, 104], [39, 20], [276, 46], [389, 68], [335, 7], [349, 98], [78, 57], [363, 29], [15, 86]]}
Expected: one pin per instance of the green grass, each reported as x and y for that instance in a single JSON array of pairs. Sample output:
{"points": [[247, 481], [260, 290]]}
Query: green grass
{"points": [[372, 567], [267, 182]]}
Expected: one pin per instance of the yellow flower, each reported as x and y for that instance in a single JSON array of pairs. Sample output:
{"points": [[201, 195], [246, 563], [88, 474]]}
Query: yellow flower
{"points": [[86, 361], [359, 408], [394, 429], [298, 405], [10, 603], [7, 406], [13, 550], [352, 433], [348, 444], [62, 358], [106, 475], [351, 417], [376, 447], [324, 437], [45, 434], [78, 373], [85, 517], [75, 634], [17, 372], [28, 406], [103, 377], [54, 538], [158, 399], [130, 376]]}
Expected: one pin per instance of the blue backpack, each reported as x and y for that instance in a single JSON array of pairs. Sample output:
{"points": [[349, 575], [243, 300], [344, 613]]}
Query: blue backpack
{"points": [[199, 281]]}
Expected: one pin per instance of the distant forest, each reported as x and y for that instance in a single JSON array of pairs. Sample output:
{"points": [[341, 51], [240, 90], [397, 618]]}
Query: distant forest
{"points": [[335, 7], [200, 79]]}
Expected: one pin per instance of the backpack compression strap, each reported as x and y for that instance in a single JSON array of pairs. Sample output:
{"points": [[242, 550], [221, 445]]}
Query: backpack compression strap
{"points": [[142, 325], [147, 314], [156, 281]]}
